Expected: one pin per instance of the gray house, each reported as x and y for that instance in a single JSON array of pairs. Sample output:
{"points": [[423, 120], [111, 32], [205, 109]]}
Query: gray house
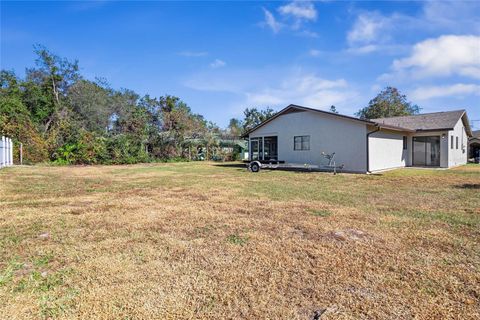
{"points": [[298, 134]]}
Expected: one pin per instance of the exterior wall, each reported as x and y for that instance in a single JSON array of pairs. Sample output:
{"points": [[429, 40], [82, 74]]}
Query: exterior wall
{"points": [[444, 145], [458, 156], [409, 157], [386, 150], [328, 133]]}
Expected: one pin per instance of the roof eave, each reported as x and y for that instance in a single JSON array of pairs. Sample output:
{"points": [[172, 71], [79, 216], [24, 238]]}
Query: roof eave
{"points": [[435, 129], [393, 128], [466, 124]]}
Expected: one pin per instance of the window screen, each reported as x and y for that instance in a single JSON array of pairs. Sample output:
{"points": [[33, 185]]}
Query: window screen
{"points": [[301, 143]]}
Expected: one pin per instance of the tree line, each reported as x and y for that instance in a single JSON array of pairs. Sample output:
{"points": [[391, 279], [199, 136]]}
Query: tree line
{"points": [[60, 116]]}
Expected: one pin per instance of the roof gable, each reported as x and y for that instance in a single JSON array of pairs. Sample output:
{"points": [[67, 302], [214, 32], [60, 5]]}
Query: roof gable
{"points": [[296, 108]]}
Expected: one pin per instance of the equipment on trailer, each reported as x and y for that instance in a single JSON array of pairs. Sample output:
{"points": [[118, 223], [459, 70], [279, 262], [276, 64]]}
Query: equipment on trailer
{"points": [[331, 162], [256, 165]]}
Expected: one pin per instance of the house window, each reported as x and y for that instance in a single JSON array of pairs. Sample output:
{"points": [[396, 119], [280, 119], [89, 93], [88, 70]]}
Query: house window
{"points": [[451, 142], [456, 143], [301, 143], [404, 143]]}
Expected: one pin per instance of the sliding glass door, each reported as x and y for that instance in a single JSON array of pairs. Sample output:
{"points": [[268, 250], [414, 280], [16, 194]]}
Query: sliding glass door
{"points": [[426, 151]]}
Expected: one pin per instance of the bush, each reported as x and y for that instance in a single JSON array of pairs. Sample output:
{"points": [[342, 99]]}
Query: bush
{"points": [[91, 149], [124, 149], [15, 123]]}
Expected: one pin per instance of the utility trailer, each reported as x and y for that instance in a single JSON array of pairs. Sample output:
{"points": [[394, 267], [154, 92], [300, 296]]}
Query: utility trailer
{"points": [[256, 165]]}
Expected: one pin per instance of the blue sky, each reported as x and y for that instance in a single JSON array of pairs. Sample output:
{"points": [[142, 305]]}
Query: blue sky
{"points": [[221, 57]]}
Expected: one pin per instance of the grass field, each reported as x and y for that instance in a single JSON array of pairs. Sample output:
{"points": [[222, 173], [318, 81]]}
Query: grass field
{"points": [[212, 241]]}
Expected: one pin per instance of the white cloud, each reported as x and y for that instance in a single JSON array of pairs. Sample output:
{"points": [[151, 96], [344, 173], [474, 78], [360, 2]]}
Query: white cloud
{"points": [[193, 53], [387, 49], [304, 89], [443, 56], [373, 31], [292, 16], [456, 90], [299, 10], [271, 22], [278, 88], [314, 53], [217, 63], [368, 28], [446, 15]]}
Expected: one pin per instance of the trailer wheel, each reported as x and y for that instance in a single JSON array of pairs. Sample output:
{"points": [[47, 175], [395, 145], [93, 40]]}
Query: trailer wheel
{"points": [[254, 166]]}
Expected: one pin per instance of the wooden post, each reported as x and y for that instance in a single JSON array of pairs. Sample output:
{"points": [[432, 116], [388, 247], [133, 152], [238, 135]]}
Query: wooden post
{"points": [[21, 153]]}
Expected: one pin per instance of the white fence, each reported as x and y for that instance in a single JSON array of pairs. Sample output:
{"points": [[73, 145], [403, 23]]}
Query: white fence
{"points": [[6, 152]]}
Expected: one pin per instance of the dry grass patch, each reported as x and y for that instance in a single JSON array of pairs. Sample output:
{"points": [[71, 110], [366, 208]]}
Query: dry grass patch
{"points": [[209, 241]]}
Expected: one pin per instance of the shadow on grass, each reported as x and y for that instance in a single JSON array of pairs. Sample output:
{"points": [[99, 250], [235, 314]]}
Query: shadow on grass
{"points": [[474, 186], [292, 169], [231, 165]]}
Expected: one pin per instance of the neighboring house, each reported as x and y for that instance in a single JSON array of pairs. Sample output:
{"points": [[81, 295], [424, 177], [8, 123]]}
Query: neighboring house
{"points": [[235, 147], [474, 145], [299, 135]]}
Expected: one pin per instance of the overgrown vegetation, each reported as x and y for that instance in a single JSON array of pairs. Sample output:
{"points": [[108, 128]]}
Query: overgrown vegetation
{"points": [[205, 240], [60, 116]]}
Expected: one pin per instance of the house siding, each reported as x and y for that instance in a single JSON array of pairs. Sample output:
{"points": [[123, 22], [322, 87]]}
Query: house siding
{"points": [[386, 150], [458, 156], [328, 133]]}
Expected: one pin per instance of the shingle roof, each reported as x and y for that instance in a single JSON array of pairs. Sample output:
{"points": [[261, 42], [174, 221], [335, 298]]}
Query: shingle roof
{"points": [[426, 121]]}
